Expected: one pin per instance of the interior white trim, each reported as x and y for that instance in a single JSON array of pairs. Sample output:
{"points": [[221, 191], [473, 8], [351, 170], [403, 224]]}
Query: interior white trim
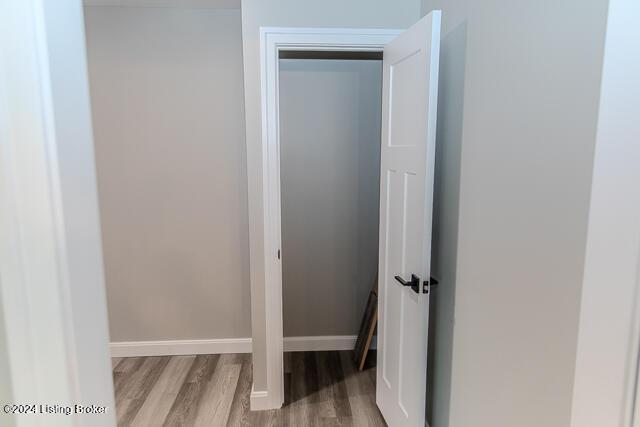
{"points": [[272, 40], [180, 347], [183, 4], [229, 345], [326, 343], [52, 287], [259, 400]]}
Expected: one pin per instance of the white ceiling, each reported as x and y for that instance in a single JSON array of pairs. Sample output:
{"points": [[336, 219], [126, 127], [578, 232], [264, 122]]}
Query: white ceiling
{"points": [[207, 4]]}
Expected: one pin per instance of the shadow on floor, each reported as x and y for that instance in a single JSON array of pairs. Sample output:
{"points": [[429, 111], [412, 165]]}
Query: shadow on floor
{"points": [[323, 375]]}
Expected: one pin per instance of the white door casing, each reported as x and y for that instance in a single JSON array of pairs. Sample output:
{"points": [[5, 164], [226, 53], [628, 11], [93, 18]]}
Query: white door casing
{"points": [[51, 274], [409, 99], [273, 40]]}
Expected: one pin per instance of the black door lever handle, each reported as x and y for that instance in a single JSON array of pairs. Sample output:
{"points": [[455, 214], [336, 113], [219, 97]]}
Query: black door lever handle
{"points": [[414, 283]]}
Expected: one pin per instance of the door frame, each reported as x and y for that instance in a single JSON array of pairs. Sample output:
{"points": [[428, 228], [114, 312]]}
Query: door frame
{"points": [[272, 41], [52, 293]]}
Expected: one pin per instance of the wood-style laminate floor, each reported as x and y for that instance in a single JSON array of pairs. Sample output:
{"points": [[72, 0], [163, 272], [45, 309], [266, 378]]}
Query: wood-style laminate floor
{"points": [[321, 388]]}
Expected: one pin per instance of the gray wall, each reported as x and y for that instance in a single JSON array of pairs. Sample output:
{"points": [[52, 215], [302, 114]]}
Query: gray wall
{"points": [[166, 87], [525, 135], [330, 168], [256, 13]]}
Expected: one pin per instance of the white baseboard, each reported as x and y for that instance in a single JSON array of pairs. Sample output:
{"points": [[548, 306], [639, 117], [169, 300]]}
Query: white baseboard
{"points": [[228, 345], [324, 343], [259, 400], [180, 347]]}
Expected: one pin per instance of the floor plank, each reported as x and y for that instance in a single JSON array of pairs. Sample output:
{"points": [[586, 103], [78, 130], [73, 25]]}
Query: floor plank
{"points": [[326, 408], [114, 362], [361, 394], [156, 407], [321, 389], [239, 412], [185, 408], [218, 397], [301, 391], [138, 387]]}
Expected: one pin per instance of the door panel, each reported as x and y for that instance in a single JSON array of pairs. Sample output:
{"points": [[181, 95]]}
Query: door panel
{"points": [[410, 79]]}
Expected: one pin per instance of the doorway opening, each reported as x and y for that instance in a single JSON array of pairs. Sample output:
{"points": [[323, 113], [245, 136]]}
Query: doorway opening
{"points": [[330, 106], [330, 109]]}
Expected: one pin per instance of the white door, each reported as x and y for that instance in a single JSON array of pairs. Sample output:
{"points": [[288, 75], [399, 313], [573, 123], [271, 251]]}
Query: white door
{"points": [[410, 86]]}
